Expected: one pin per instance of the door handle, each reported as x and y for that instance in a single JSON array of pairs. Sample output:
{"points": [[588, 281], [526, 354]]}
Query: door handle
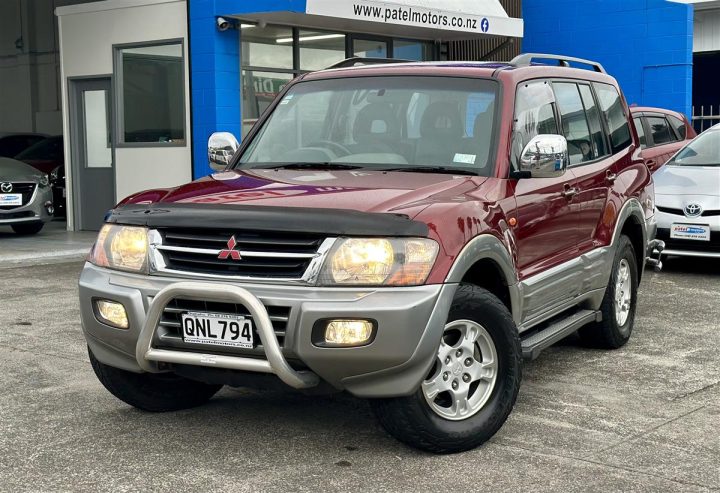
{"points": [[569, 192], [651, 163], [610, 176]]}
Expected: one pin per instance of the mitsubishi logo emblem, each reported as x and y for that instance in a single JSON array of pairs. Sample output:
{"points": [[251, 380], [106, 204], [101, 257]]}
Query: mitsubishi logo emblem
{"points": [[693, 210], [6, 187], [230, 251]]}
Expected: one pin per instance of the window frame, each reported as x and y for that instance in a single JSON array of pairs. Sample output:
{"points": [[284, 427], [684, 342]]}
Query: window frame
{"points": [[118, 99]]}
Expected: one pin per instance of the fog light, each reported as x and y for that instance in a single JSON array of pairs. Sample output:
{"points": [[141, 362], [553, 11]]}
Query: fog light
{"points": [[112, 313], [348, 332]]}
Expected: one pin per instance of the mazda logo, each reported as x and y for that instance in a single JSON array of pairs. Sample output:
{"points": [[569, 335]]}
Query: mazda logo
{"points": [[6, 187], [693, 210]]}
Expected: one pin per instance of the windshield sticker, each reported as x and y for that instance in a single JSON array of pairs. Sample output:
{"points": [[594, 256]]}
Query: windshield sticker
{"points": [[464, 158], [287, 99]]}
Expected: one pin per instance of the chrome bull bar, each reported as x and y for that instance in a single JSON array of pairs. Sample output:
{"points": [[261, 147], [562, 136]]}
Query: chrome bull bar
{"points": [[147, 356]]}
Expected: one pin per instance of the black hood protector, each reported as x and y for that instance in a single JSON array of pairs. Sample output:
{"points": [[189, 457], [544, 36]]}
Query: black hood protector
{"points": [[336, 222]]}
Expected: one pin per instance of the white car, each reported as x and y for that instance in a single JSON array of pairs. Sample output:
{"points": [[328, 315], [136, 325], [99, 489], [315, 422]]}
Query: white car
{"points": [[687, 198]]}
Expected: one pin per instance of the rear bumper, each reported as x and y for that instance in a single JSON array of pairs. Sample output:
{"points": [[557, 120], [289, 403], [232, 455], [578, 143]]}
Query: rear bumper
{"points": [[410, 322]]}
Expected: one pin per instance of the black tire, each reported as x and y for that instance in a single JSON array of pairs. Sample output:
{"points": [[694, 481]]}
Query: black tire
{"points": [[411, 419], [608, 333], [27, 228], [160, 392]]}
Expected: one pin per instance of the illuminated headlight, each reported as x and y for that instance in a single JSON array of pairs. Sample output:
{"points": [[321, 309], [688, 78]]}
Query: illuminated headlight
{"points": [[44, 181], [121, 247], [380, 262]]}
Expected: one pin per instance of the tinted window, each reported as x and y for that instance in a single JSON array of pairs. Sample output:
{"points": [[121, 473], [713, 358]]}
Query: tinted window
{"points": [[534, 115], [679, 126], [50, 149], [593, 116], [614, 114], [660, 130], [152, 90], [574, 123], [641, 132], [11, 145]]}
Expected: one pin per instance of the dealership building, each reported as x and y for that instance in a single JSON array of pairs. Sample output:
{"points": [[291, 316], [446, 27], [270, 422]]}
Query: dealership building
{"points": [[137, 86]]}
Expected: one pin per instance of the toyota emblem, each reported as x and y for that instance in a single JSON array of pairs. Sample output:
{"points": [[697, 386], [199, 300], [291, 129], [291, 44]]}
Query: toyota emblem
{"points": [[6, 187], [693, 210]]}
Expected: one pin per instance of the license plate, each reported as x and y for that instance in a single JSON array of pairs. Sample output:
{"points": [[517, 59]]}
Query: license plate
{"points": [[690, 232], [217, 329], [10, 199]]}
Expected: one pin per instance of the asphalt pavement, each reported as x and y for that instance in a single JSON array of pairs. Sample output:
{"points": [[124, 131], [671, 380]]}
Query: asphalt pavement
{"points": [[642, 418]]}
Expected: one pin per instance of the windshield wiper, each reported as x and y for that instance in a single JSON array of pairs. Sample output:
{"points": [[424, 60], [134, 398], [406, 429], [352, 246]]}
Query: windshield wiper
{"points": [[306, 166], [434, 169]]}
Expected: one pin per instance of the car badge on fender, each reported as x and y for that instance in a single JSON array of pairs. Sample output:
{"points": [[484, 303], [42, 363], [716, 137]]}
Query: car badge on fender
{"points": [[230, 252]]}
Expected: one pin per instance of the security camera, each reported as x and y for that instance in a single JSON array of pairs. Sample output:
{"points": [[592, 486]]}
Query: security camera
{"points": [[223, 24]]}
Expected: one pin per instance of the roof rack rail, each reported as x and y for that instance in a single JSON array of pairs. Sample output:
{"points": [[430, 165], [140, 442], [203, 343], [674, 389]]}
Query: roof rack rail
{"points": [[526, 59], [355, 61]]}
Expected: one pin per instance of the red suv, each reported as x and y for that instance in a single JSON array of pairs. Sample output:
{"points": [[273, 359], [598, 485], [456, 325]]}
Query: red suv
{"points": [[661, 132], [403, 232]]}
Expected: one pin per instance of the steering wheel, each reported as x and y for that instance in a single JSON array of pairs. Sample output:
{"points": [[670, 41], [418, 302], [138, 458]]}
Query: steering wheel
{"points": [[339, 149]]}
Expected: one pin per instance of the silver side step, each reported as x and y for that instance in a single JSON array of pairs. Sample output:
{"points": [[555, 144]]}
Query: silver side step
{"points": [[147, 356], [534, 344]]}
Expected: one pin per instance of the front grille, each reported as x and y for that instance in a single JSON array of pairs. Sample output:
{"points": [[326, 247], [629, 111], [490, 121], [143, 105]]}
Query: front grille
{"points": [[712, 246], [26, 189], [680, 212], [267, 255], [169, 333]]}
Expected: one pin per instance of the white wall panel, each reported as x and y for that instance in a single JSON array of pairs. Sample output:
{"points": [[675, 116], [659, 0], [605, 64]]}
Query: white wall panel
{"points": [[707, 30]]}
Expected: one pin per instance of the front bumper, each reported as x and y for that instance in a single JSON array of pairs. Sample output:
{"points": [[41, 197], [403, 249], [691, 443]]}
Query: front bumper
{"points": [[689, 248], [410, 322], [34, 211]]}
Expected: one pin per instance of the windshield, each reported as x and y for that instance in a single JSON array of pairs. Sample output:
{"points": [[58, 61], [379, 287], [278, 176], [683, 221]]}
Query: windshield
{"points": [[50, 149], [703, 151], [431, 124]]}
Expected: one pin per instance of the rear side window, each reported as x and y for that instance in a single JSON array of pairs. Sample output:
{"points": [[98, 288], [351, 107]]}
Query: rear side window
{"points": [[534, 115], [679, 126], [593, 115], [660, 130], [574, 123], [641, 132], [614, 115]]}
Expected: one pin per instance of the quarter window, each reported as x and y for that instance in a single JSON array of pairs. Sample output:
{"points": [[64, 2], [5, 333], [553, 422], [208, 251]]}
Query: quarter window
{"points": [[660, 130], [152, 94], [574, 123], [679, 126], [534, 115], [614, 115]]}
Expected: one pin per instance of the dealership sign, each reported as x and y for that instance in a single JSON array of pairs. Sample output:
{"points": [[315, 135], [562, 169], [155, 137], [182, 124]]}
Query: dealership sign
{"points": [[478, 17]]}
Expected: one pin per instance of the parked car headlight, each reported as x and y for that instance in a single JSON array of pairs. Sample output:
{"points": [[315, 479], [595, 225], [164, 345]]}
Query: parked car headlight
{"points": [[380, 262], [121, 247], [44, 181]]}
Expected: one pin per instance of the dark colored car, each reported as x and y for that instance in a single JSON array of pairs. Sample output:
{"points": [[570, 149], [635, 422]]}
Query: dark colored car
{"points": [[661, 132], [403, 232], [14, 143], [47, 156]]}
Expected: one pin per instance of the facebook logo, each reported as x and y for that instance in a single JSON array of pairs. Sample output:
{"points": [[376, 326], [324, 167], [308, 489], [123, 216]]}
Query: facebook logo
{"points": [[485, 25]]}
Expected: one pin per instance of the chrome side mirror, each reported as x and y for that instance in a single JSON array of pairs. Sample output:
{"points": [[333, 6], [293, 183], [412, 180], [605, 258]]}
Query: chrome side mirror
{"points": [[221, 148], [545, 156]]}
